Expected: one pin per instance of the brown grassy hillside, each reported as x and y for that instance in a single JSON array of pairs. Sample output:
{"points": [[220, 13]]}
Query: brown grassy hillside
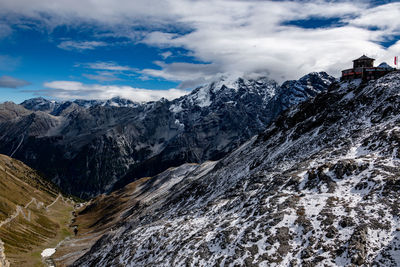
{"points": [[33, 214]]}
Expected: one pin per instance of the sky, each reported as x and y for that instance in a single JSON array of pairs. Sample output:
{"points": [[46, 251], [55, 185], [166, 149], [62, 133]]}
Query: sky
{"points": [[147, 49]]}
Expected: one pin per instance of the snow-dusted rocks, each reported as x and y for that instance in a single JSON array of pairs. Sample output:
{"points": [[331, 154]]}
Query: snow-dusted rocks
{"points": [[320, 187], [385, 66]]}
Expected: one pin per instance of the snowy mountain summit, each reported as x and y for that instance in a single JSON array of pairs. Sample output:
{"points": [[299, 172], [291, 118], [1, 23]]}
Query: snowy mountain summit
{"points": [[226, 86], [319, 187]]}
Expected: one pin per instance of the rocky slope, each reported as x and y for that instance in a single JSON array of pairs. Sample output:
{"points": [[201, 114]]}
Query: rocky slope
{"points": [[89, 147], [33, 214], [106, 211], [320, 187]]}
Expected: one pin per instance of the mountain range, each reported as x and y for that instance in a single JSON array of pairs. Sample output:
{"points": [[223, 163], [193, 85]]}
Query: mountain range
{"points": [[319, 187], [88, 147]]}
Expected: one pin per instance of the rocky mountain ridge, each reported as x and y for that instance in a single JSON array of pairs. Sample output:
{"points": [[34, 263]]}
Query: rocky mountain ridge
{"points": [[90, 147], [319, 187], [55, 107]]}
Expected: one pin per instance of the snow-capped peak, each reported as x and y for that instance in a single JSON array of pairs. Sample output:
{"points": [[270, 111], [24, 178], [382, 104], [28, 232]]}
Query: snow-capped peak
{"points": [[39, 104], [225, 80], [230, 87], [385, 66], [119, 102]]}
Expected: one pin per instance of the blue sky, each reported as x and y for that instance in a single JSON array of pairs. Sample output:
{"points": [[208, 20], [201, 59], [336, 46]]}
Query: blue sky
{"points": [[145, 50]]}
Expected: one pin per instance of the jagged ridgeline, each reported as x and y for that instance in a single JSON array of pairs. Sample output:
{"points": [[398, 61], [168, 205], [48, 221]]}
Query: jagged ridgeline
{"points": [[33, 214], [319, 187], [90, 147]]}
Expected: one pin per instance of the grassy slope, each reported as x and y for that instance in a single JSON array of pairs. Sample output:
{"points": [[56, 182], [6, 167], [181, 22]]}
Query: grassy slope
{"points": [[94, 219], [42, 214]]}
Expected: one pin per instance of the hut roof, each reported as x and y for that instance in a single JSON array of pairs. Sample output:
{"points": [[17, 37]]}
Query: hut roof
{"points": [[364, 57]]}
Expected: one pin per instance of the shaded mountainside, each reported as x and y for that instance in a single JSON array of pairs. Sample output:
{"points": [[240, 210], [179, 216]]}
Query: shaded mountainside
{"points": [[90, 147], [33, 214], [320, 187]]}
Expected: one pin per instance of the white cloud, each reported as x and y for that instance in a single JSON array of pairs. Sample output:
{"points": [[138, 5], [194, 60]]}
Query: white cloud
{"points": [[107, 71], [106, 12], [384, 17], [11, 82], [166, 54], [81, 45], [179, 71], [111, 66], [243, 36], [78, 90], [249, 36]]}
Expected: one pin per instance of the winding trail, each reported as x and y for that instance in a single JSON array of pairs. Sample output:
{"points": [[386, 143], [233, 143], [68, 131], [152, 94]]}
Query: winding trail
{"points": [[20, 210], [54, 202], [25, 211], [3, 260], [27, 215]]}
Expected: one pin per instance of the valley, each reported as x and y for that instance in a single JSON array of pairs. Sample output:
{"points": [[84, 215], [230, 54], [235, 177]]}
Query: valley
{"points": [[34, 215]]}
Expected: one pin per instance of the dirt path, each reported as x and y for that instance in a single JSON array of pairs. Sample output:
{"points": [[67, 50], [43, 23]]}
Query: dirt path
{"points": [[54, 202], [27, 215], [3, 261], [20, 210]]}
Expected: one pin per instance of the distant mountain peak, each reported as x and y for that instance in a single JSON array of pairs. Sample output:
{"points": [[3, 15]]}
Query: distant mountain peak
{"points": [[119, 102], [225, 80], [56, 107]]}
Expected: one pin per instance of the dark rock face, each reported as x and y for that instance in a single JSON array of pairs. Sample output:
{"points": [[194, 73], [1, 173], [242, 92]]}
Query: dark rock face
{"points": [[90, 147], [306, 192], [293, 92]]}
